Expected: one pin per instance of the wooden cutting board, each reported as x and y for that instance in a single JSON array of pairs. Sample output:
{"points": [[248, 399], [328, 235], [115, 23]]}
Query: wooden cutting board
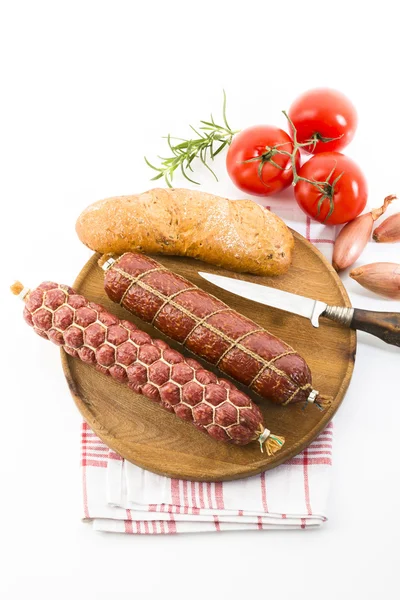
{"points": [[147, 435]]}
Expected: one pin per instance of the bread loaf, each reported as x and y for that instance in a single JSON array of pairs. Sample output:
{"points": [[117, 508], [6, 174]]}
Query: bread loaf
{"points": [[238, 235]]}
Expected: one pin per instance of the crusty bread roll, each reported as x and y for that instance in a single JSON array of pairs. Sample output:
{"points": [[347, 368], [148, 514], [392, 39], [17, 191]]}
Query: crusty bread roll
{"points": [[239, 235]]}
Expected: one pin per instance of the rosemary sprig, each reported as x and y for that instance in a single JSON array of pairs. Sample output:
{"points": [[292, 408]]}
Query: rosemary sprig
{"points": [[209, 140]]}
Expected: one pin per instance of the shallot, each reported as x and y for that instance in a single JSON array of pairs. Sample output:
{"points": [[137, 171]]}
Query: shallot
{"points": [[382, 278], [355, 235], [389, 230]]}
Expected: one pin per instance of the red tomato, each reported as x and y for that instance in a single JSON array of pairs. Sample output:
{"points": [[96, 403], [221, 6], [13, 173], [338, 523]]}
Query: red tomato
{"points": [[348, 194], [251, 157], [324, 113]]}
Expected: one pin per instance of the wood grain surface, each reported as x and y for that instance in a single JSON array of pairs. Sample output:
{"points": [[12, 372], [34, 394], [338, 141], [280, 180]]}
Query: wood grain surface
{"points": [[147, 435]]}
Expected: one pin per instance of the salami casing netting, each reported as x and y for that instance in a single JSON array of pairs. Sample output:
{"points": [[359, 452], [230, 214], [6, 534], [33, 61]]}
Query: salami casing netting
{"points": [[150, 367], [209, 328]]}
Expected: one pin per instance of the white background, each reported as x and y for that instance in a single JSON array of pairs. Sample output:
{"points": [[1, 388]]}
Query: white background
{"points": [[88, 88]]}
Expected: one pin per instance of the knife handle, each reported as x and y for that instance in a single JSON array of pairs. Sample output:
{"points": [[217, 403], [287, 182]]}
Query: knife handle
{"points": [[384, 325]]}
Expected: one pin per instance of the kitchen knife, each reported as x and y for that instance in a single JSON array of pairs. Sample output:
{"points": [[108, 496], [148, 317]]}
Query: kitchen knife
{"points": [[385, 325]]}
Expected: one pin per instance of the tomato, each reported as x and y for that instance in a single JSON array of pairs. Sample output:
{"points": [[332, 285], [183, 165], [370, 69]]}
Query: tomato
{"points": [[348, 193], [323, 113], [251, 157]]}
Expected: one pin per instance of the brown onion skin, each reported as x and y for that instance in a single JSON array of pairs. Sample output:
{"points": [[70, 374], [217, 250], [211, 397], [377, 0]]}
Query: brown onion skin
{"points": [[355, 235], [389, 230], [351, 241], [381, 278]]}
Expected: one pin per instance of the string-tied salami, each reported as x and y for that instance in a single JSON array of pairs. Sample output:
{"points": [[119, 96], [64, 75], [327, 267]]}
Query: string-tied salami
{"points": [[209, 328]]}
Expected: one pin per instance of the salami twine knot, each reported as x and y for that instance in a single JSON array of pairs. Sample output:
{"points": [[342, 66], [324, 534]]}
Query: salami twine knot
{"points": [[321, 402], [313, 396], [19, 290], [324, 402], [106, 261], [272, 442]]}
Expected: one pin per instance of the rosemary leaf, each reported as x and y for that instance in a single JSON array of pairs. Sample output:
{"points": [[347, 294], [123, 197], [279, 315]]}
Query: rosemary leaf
{"points": [[218, 150], [157, 177], [224, 111], [196, 132], [203, 158], [186, 176], [151, 166]]}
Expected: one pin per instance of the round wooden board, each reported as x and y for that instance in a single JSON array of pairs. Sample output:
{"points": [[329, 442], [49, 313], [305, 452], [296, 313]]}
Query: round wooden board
{"points": [[147, 435]]}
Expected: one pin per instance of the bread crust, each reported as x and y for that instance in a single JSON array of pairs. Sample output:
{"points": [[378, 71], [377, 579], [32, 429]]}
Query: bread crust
{"points": [[238, 235]]}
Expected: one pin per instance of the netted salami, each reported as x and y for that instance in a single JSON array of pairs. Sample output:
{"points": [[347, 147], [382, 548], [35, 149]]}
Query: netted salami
{"points": [[117, 348]]}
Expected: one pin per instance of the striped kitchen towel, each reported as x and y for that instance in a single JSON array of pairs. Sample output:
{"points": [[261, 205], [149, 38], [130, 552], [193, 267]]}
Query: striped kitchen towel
{"points": [[121, 497]]}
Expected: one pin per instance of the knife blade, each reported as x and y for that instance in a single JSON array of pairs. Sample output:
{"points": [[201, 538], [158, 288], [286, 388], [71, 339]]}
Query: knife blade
{"points": [[384, 325], [293, 303]]}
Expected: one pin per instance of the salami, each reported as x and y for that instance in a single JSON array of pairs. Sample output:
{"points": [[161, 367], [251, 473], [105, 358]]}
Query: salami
{"points": [[149, 367], [209, 328]]}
